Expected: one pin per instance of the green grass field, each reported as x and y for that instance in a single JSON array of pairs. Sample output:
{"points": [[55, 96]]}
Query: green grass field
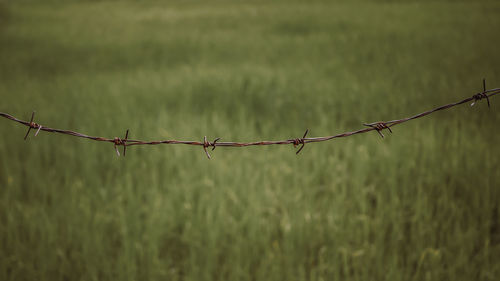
{"points": [[421, 204]]}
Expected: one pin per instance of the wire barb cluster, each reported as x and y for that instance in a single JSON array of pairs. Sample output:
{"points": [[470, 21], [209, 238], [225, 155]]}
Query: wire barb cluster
{"points": [[300, 141], [117, 141], [375, 126], [379, 126], [32, 125], [208, 144], [480, 96]]}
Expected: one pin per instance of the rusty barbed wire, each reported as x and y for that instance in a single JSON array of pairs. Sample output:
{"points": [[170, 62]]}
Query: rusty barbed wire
{"points": [[375, 126]]}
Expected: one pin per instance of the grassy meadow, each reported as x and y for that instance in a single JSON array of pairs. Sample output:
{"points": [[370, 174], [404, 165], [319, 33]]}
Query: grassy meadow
{"points": [[421, 204]]}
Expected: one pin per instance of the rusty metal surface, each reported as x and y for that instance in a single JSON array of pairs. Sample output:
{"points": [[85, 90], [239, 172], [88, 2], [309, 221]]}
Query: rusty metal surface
{"points": [[376, 126]]}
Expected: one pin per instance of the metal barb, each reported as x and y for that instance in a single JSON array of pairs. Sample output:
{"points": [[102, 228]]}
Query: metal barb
{"points": [[38, 131], [300, 141], [380, 133], [214, 144], [116, 142], [379, 126], [484, 92], [125, 143], [480, 96], [31, 125], [205, 145]]}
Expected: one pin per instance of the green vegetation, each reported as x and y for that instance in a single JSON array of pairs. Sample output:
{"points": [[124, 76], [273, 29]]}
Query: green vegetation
{"points": [[421, 204]]}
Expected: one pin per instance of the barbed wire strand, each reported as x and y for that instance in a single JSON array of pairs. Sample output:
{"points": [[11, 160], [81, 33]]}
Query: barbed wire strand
{"points": [[375, 126]]}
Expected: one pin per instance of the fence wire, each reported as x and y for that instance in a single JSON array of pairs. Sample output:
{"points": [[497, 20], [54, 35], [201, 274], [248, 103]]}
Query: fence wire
{"points": [[375, 126]]}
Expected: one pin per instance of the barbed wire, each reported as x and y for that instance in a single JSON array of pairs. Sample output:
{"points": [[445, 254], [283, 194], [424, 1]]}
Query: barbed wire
{"points": [[374, 126]]}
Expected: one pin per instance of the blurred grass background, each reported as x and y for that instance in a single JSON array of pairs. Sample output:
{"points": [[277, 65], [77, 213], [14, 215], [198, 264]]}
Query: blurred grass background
{"points": [[422, 204]]}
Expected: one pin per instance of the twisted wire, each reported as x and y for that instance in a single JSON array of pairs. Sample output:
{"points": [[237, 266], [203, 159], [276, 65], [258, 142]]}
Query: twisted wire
{"points": [[375, 126]]}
